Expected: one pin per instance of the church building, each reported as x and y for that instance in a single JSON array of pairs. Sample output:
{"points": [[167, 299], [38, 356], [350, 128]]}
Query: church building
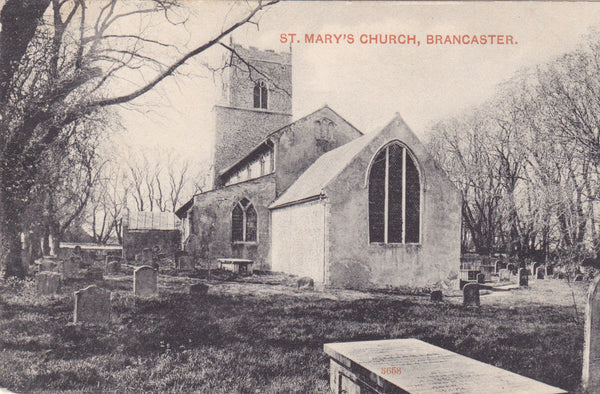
{"points": [[315, 197]]}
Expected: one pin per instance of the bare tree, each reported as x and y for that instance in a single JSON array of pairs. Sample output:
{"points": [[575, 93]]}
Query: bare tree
{"points": [[60, 59]]}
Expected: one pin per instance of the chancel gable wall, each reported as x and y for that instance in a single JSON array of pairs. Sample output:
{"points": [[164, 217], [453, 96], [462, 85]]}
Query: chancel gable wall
{"points": [[354, 255]]}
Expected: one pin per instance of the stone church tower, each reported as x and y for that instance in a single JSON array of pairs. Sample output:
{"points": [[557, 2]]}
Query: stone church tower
{"points": [[256, 100]]}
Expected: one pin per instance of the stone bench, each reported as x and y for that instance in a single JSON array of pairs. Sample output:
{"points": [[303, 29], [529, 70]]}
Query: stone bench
{"points": [[239, 266], [414, 366]]}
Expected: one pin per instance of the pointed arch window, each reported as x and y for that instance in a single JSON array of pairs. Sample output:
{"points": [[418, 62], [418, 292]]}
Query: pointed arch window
{"points": [[243, 222], [260, 95], [394, 197]]}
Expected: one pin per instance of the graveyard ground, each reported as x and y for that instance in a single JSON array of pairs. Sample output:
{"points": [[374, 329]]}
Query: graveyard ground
{"points": [[268, 337]]}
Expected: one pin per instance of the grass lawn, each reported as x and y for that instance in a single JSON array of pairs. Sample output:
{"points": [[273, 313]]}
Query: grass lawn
{"points": [[261, 342]]}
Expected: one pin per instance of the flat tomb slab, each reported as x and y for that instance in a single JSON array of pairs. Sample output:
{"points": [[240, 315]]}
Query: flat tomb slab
{"points": [[414, 366], [240, 266]]}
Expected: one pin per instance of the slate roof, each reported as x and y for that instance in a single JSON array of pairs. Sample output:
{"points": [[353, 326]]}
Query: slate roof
{"points": [[279, 130], [311, 183]]}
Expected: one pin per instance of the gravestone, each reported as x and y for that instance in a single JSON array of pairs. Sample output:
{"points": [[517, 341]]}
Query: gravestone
{"points": [[145, 281], [436, 296], [591, 340], [541, 273], [500, 265], [549, 270], [198, 289], [92, 305], [523, 277], [113, 267], [480, 278], [305, 283], [504, 275], [471, 294], [47, 283], [535, 267], [511, 268]]}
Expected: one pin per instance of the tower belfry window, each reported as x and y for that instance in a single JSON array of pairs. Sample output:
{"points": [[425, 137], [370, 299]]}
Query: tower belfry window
{"points": [[260, 95]]}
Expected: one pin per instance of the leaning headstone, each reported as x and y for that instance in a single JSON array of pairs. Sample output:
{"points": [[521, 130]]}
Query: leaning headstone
{"points": [[47, 283], [145, 281], [471, 294], [436, 296], [541, 273], [198, 289], [523, 277], [504, 275], [480, 278], [591, 338], [92, 305], [113, 267], [305, 283]]}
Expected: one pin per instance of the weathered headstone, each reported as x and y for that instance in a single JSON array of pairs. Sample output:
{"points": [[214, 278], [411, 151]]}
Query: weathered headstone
{"points": [[541, 273], [480, 278], [591, 338], [198, 289], [47, 283], [523, 277], [549, 270], [92, 305], [305, 283], [436, 296], [113, 267], [504, 275], [500, 265], [145, 281], [471, 294]]}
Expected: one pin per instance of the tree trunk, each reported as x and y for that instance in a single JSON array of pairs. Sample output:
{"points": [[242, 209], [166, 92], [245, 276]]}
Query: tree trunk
{"points": [[10, 238]]}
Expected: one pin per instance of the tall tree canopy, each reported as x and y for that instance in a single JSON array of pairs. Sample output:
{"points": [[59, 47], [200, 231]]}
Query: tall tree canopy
{"points": [[58, 63]]}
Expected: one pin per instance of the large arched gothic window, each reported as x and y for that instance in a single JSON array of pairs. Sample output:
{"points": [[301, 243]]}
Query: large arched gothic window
{"points": [[243, 222], [394, 197], [260, 95]]}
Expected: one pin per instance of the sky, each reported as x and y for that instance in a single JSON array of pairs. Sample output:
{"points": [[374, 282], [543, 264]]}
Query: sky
{"points": [[365, 83]]}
